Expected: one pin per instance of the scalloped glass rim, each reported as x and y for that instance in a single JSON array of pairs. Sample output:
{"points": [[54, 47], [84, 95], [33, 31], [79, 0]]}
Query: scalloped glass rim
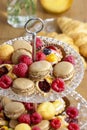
{"points": [[37, 97]]}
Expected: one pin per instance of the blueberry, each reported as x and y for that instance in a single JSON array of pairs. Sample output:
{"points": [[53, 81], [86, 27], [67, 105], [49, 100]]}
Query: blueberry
{"points": [[46, 51]]}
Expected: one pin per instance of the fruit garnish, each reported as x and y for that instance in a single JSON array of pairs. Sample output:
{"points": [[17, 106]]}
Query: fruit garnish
{"points": [[70, 58], [46, 51], [25, 59], [52, 47], [55, 123], [5, 82], [52, 58], [36, 118], [36, 128], [3, 70], [44, 86], [72, 112], [58, 85], [40, 56], [73, 126], [24, 118], [30, 107], [20, 70]]}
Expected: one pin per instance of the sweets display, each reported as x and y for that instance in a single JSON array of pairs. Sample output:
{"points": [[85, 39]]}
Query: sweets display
{"points": [[54, 72], [56, 115], [36, 87]]}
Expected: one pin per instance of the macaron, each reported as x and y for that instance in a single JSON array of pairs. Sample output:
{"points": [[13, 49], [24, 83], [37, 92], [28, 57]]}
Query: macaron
{"points": [[22, 44], [43, 125], [13, 123], [18, 53], [39, 70], [23, 86], [22, 126], [6, 51], [5, 100], [64, 70], [14, 109]]}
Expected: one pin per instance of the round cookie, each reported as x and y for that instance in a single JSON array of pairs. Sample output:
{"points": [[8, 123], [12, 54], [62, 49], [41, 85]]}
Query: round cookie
{"points": [[6, 51], [38, 70], [64, 70], [18, 53], [43, 125], [22, 126], [5, 100], [22, 44], [13, 123], [23, 86], [14, 109]]}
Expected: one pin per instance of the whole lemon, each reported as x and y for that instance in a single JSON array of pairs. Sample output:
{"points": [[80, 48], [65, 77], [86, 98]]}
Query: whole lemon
{"points": [[56, 6]]}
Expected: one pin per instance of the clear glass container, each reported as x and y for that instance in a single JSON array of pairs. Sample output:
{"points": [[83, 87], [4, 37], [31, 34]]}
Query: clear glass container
{"points": [[19, 12]]}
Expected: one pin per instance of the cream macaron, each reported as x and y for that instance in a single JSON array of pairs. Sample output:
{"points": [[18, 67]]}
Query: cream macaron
{"points": [[18, 53], [39, 70], [43, 125], [14, 109], [22, 126], [22, 44], [23, 86], [64, 70]]}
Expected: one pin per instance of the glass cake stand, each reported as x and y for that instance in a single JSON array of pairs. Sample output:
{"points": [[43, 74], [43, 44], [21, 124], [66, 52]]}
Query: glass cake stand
{"points": [[70, 86]]}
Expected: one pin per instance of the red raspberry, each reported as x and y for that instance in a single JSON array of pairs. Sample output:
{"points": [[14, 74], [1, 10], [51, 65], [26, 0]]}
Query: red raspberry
{"points": [[30, 107], [58, 85], [1, 62], [70, 58], [36, 128], [73, 126], [7, 62], [25, 59], [40, 56], [55, 123], [72, 112], [5, 82], [52, 47], [36, 118], [20, 70], [39, 42], [24, 118]]}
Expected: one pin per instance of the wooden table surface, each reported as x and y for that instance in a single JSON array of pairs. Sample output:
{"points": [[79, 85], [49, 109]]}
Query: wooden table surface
{"points": [[78, 11]]}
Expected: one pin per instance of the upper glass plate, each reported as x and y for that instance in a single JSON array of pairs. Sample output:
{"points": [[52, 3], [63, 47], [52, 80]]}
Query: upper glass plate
{"points": [[71, 85]]}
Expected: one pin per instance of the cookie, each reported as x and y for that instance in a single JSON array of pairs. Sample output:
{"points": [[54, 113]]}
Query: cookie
{"points": [[23, 86], [64, 70]]}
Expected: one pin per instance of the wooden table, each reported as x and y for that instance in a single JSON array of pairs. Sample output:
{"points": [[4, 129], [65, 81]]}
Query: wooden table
{"points": [[78, 11]]}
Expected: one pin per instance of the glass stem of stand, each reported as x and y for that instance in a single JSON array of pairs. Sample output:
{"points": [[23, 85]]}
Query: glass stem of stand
{"points": [[34, 47]]}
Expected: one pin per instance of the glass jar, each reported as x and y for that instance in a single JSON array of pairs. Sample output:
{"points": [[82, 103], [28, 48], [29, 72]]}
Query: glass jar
{"points": [[19, 11]]}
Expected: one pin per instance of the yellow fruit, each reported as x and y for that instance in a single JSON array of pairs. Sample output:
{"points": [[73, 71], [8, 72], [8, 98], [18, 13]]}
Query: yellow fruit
{"points": [[56, 6], [52, 58], [47, 110]]}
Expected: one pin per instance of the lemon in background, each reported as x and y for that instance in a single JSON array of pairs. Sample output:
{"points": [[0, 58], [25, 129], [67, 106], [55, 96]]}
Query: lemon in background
{"points": [[56, 6]]}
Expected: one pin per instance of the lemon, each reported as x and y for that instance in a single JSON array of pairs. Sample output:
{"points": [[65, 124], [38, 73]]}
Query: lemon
{"points": [[56, 6]]}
